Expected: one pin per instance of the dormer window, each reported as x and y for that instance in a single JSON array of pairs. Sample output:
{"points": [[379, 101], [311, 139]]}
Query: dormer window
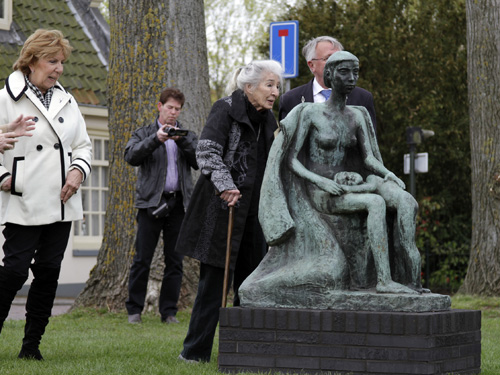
{"points": [[5, 14]]}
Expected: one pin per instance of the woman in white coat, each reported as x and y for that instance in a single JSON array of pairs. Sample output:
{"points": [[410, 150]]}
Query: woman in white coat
{"points": [[39, 180]]}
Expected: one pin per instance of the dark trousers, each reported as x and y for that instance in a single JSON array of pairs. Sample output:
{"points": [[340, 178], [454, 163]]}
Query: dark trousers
{"points": [[45, 244], [205, 315], [148, 233]]}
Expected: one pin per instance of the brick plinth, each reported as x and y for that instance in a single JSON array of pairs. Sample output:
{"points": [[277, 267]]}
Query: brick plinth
{"points": [[349, 342]]}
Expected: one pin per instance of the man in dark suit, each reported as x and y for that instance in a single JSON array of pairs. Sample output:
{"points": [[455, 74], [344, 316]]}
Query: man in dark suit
{"points": [[316, 52]]}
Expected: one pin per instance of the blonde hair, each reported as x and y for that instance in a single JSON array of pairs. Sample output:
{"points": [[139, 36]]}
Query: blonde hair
{"points": [[41, 44]]}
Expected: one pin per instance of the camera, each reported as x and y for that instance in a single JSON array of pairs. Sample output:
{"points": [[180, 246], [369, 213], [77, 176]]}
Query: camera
{"points": [[172, 132], [161, 211]]}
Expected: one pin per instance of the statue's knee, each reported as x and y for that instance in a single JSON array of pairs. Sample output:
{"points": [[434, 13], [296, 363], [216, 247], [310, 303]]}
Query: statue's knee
{"points": [[376, 204]]}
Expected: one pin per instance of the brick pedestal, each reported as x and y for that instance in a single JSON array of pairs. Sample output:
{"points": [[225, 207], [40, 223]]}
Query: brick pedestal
{"points": [[349, 342]]}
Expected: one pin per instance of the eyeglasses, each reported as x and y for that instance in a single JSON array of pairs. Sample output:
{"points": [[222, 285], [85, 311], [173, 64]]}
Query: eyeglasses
{"points": [[322, 59]]}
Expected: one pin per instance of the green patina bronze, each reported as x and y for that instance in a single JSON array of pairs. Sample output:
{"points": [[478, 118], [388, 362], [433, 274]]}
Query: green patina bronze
{"points": [[340, 225]]}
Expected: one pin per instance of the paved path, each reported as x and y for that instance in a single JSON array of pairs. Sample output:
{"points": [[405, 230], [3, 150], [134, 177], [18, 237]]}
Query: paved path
{"points": [[17, 310]]}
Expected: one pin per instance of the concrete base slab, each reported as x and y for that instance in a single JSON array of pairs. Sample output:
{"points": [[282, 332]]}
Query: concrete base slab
{"points": [[368, 300]]}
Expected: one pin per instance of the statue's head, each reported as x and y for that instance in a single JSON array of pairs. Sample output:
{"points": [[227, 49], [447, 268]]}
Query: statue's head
{"points": [[334, 61]]}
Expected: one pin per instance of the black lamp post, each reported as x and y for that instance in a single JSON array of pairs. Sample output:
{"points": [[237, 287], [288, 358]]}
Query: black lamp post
{"points": [[415, 136]]}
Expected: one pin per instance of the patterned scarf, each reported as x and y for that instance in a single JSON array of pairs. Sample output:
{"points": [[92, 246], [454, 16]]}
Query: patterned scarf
{"points": [[45, 99]]}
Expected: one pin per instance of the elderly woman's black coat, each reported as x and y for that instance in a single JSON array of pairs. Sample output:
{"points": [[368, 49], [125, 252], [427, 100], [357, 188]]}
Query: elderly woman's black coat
{"points": [[227, 155]]}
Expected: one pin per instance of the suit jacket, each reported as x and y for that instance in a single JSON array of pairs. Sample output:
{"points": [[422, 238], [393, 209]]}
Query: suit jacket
{"points": [[294, 97]]}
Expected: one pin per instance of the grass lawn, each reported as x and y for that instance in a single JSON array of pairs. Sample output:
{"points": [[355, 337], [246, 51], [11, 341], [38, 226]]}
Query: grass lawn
{"points": [[490, 329], [87, 342]]}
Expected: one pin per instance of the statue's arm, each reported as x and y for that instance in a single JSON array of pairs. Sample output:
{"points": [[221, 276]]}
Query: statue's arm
{"points": [[372, 163], [298, 168], [362, 188]]}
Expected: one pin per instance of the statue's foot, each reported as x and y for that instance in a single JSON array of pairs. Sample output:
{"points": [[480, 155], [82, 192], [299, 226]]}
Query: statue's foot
{"points": [[393, 287], [419, 289], [422, 290]]}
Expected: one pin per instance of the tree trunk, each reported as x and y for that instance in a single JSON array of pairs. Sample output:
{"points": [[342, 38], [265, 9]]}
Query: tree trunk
{"points": [[154, 45], [483, 60]]}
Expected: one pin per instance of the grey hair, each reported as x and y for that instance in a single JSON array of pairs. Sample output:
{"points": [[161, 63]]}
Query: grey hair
{"points": [[251, 74], [309, 50]]}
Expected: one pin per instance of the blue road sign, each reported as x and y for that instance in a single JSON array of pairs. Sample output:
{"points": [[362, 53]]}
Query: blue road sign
{"points": [[284, 46]]}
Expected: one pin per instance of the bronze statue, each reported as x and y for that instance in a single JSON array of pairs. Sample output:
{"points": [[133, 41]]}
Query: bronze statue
{"points": [[324, 167]]}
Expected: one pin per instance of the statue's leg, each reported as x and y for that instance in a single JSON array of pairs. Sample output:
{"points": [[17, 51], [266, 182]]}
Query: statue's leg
{"points": [[376, 227], [406, 217], [406, 226], [375, 206]]}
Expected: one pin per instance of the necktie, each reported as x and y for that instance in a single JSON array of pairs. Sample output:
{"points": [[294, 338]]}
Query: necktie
{"points": [[326, 93]]}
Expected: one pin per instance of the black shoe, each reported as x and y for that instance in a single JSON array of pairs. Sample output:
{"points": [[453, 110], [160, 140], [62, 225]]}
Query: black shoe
{"points": [[134, 318], [181, 358], [30, 354], [170, 320]]}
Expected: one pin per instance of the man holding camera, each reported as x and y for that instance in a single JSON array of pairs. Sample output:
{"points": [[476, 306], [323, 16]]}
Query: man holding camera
{"points": [[165, 154]]}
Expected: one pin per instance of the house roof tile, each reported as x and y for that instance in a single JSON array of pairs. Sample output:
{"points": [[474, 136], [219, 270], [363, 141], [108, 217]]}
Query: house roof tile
{"points": [[85, 73]]}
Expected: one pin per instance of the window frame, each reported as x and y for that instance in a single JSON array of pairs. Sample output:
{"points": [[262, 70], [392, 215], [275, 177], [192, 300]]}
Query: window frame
{"points": [[82, 242], [6, 20]]}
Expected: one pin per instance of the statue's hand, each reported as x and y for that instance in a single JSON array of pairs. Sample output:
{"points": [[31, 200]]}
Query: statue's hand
{"points": [[392, 177], [331, 187]]}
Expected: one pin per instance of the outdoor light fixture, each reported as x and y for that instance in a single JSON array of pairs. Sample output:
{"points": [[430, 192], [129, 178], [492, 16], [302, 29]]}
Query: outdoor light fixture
{"points": [[415, 136]]}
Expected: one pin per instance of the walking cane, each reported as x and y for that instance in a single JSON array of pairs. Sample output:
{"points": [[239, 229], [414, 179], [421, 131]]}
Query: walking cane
{"points": [[228, 255]]}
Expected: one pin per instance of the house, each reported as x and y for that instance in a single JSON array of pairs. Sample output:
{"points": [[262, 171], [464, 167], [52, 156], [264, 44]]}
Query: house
{"points": [[84, 76]]}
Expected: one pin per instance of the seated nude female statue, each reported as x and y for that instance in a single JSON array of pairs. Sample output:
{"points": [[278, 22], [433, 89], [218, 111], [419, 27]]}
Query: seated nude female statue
{"points": [[325, 161]]}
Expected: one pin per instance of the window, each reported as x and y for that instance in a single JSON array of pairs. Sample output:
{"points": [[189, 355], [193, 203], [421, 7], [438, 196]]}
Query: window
{"points": [[5, 14], [95, 192]]}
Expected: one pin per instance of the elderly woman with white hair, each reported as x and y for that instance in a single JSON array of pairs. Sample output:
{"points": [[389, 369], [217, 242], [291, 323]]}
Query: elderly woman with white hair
{"points": [[232, 155]]}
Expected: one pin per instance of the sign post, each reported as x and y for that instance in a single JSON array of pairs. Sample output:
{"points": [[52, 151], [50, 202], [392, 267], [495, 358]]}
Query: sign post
{"points": [[284, 46]]}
